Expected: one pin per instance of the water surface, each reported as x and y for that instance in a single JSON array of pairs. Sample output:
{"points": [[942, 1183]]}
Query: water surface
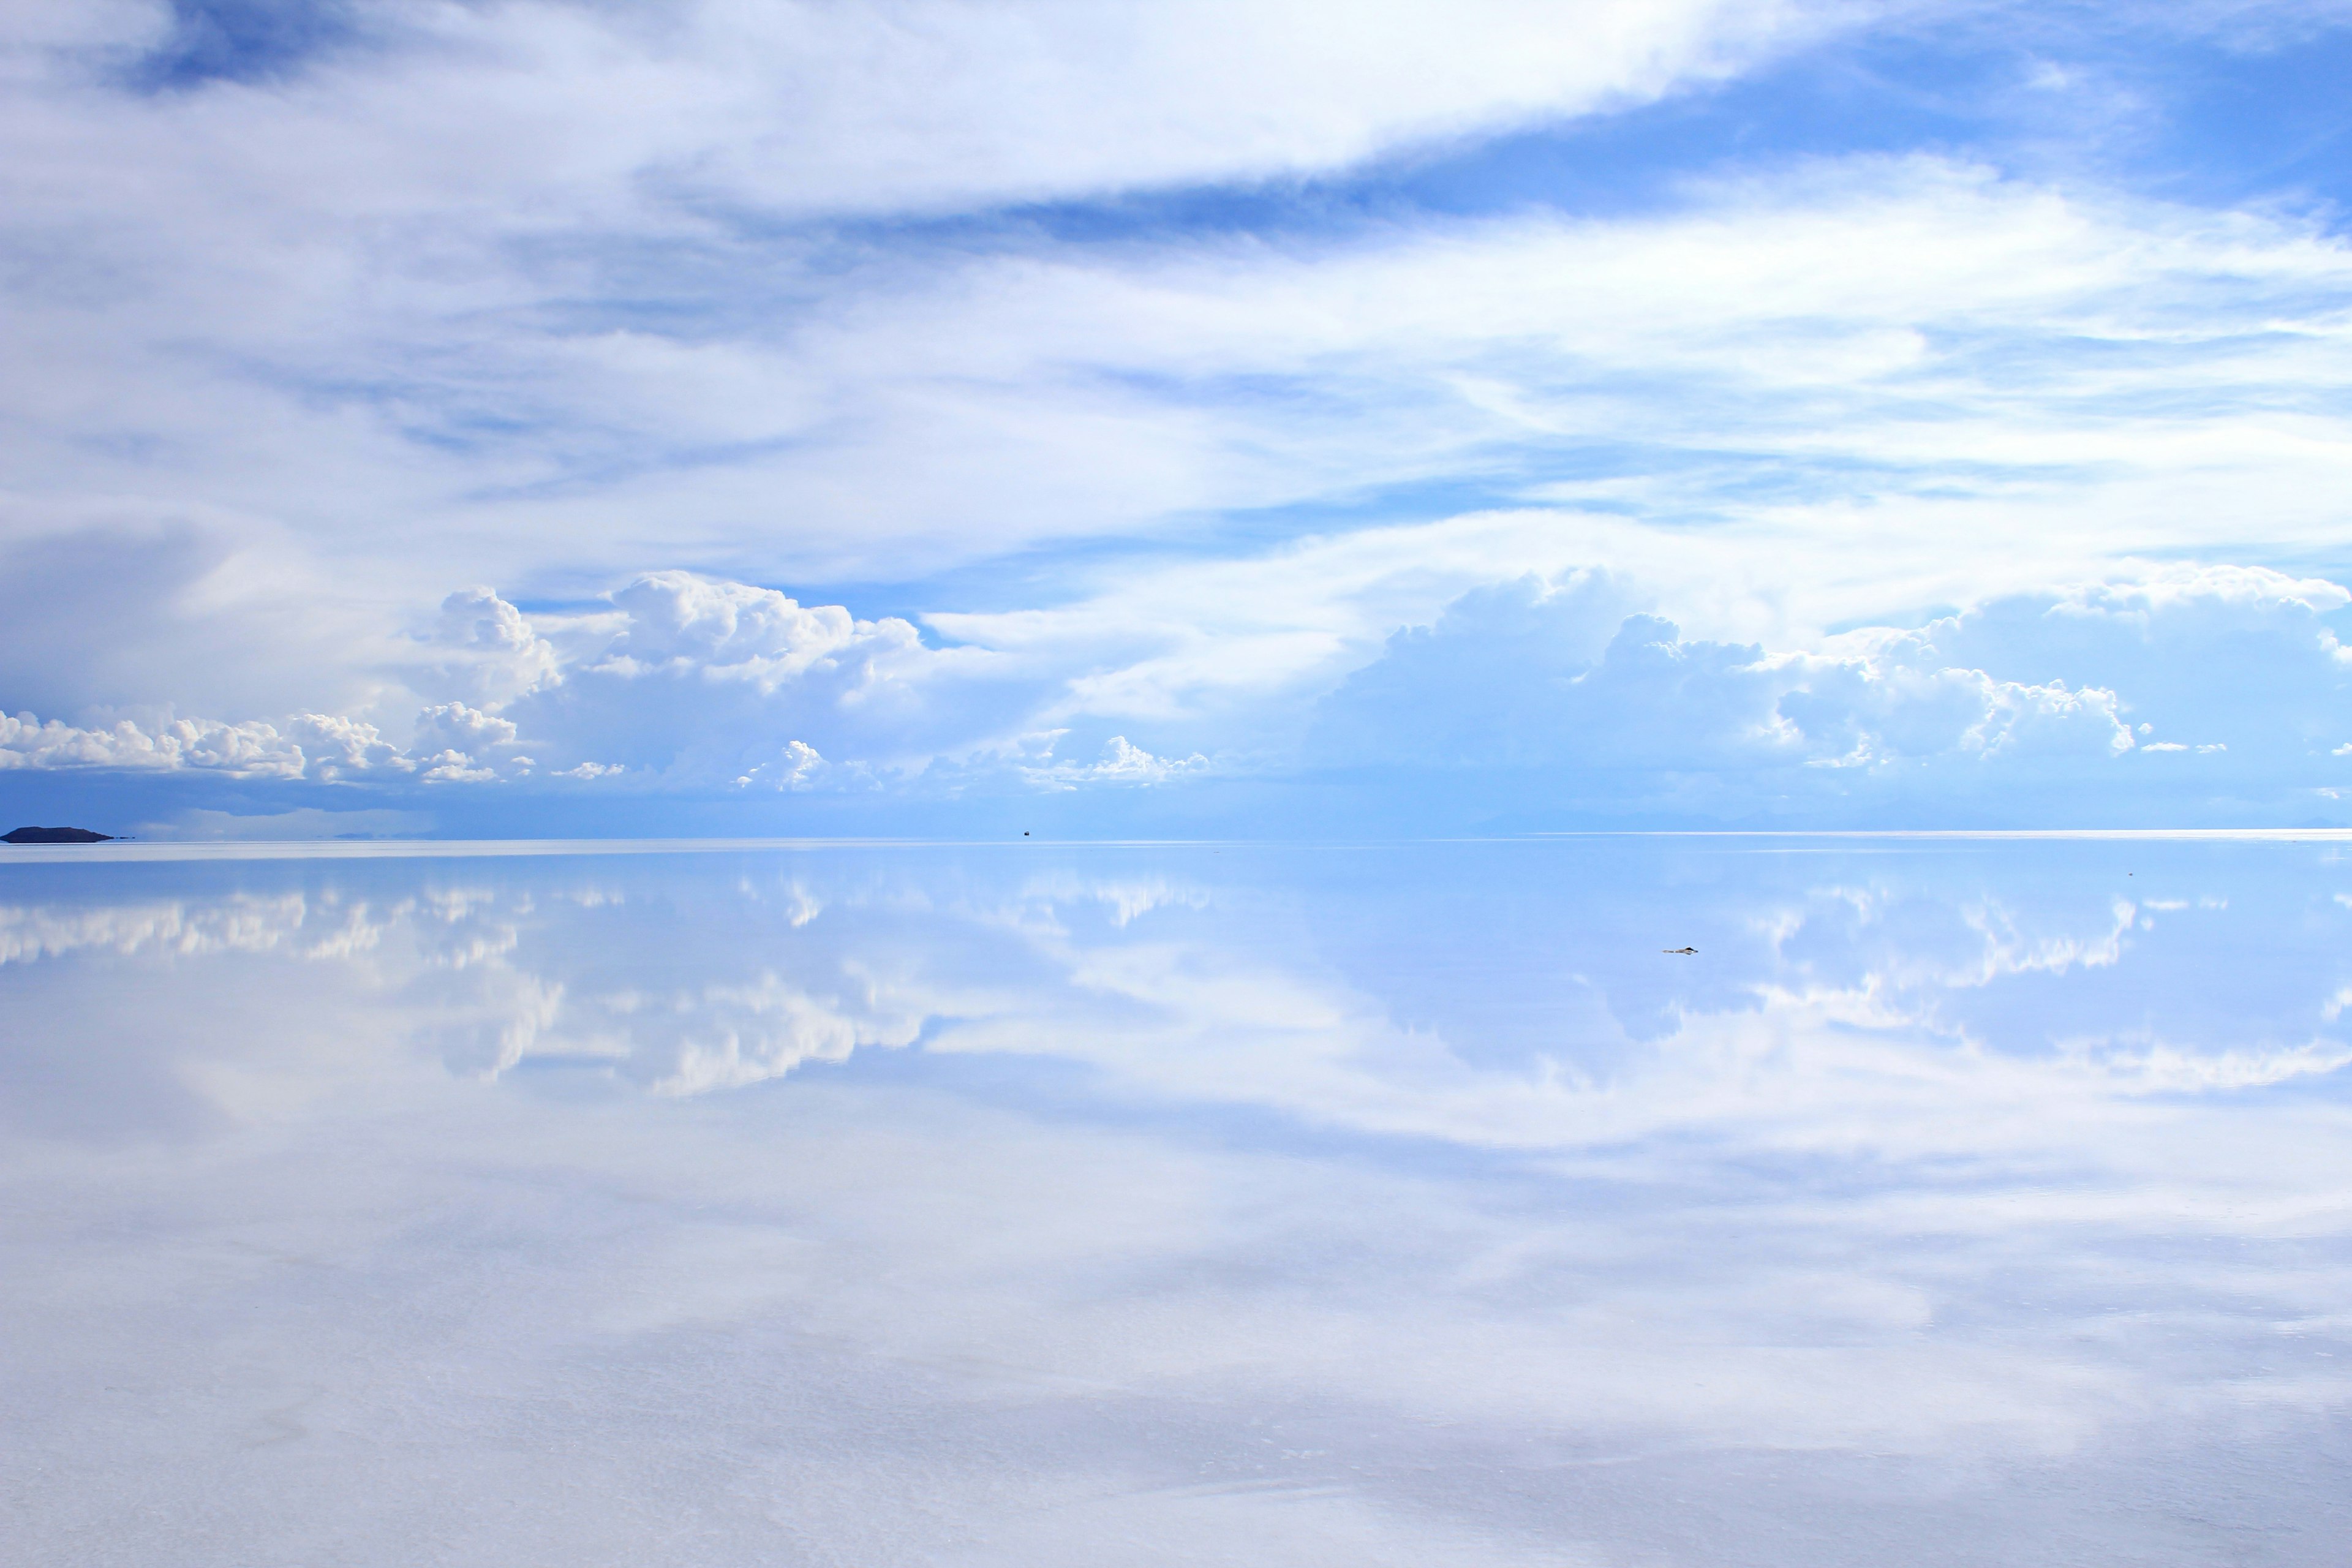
{"points": [[1958, 1202]]}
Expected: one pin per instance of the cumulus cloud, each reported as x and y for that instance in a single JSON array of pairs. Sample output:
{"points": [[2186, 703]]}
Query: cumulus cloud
{"points": [[319, 746], [692, 675], [676, 623], [470, 726], [454, 767], [29, 741], [701, 682], [1121, 763], [1565, 690], [797, 767], [333, 747], [707, 681], [1503, 679], [485, 647], [2219, 658], [1518, 678]]}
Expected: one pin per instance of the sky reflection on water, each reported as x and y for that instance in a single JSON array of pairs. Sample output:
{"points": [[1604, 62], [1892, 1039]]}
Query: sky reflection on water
{"points": [[1959, 1202]]}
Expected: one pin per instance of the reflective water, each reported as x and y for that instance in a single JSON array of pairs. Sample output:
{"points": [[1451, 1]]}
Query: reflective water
{"points": [[1958, 1202]]}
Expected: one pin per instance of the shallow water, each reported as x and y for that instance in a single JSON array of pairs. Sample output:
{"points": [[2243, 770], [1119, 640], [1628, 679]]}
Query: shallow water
{"points": [[1958, 1201]]}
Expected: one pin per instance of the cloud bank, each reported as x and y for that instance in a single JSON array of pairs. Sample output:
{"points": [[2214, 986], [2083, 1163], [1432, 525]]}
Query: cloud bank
{"points": [[2203, 691]]}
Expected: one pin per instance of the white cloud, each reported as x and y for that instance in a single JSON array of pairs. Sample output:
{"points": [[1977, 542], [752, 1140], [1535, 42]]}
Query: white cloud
{"points": [[28, 741], [1507, 676], [684, 670], [484, 647], [1121, 763], [1511, 678], [797, 767], [454, 767], [799, 106], [1565, 689], [333, 747], [707, 681], [470, 726], [676, 623], [319, 746]]}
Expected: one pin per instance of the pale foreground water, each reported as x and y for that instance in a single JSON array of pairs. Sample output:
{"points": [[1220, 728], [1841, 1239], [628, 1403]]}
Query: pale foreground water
{"points": [[1958, 1202]]}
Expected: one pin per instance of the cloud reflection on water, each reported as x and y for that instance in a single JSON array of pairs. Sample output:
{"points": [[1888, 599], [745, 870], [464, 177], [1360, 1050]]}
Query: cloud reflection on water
{"points": [[1122, 1206]]}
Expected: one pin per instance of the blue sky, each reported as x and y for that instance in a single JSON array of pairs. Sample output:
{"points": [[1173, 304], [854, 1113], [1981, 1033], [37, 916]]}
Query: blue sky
{"points": [[946, 416]]}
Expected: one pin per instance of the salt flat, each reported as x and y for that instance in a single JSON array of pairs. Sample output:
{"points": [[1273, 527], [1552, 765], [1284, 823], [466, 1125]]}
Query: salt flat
{"points": [[1958, 1201]]}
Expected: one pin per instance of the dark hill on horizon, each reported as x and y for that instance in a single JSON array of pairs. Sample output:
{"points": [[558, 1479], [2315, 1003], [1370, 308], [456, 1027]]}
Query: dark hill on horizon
{"points": [[55, 836]]}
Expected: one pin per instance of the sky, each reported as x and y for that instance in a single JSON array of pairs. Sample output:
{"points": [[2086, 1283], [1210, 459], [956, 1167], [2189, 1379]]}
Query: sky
{"points": [[943, 417]]}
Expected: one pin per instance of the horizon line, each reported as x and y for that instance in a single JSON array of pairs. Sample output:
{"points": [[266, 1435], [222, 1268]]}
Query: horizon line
{"points": [[131, 849]]}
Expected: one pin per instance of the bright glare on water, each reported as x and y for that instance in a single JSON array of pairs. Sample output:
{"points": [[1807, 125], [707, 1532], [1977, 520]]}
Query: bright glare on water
{"points": [[1957, 1202]]}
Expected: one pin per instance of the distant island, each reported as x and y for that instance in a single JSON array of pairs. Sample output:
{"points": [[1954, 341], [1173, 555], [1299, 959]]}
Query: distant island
{"points": [[55, 836]]}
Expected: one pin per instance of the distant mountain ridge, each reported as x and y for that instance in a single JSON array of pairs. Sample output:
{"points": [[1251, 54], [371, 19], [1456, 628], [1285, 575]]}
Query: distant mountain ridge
{"points": [[55, 836]]}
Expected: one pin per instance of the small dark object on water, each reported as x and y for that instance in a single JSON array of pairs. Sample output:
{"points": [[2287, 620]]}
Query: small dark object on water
{"points": [[1024, 833], [55, 836], [1681, 952]]}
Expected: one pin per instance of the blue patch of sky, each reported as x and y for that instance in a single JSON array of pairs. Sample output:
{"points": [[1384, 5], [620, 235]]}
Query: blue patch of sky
{"points": [[243, 41], [2243, 124]]}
